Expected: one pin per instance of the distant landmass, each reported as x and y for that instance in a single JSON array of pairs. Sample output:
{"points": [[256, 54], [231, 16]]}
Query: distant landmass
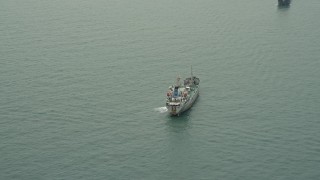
{"points": [[284, 2]]}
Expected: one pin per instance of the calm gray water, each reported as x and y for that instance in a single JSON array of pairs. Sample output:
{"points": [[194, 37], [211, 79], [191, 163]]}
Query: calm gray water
{"points": [[83, 83]]}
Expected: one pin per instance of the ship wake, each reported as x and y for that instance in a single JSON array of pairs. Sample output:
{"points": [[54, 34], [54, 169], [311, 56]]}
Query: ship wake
{"points": [[161, 109]]}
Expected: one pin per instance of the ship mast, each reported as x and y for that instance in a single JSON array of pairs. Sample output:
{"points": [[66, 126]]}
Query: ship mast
{"points": [[178, 81], [191, 71], [192, 81]]}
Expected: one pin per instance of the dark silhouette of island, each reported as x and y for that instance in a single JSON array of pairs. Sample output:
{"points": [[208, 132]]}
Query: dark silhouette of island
{"points": [[284, 2]]}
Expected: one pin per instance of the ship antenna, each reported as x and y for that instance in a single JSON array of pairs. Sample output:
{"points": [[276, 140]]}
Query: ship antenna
{"points": [[191, 71], [178, 81]]}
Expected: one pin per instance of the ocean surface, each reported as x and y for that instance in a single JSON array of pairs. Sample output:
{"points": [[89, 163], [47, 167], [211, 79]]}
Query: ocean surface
{"points": [[83, 84]]}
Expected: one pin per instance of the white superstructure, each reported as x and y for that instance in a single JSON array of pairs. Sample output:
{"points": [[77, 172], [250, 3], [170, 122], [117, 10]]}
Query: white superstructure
{"points": [[181, 97]]}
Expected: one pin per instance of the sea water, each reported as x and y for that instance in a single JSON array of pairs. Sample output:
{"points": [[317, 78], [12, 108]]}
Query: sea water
{"points": [[83, 87]]}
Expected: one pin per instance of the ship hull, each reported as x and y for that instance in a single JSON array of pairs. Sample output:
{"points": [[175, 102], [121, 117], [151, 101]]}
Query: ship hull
{"points": [[176, 110]]}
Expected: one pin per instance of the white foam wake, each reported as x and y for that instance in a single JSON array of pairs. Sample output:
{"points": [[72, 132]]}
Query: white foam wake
{"points": [[161, 109]]}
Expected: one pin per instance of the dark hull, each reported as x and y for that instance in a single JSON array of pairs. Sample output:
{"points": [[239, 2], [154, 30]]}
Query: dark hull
{"points": [[284, 2]]}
